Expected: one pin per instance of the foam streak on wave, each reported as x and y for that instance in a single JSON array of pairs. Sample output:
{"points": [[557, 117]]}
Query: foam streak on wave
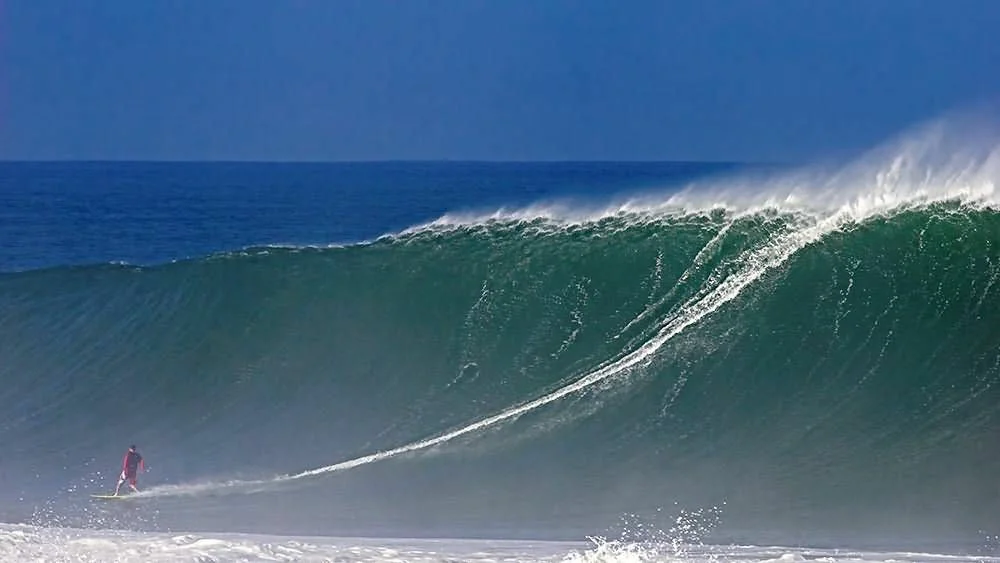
{"points": [[756, 264]]}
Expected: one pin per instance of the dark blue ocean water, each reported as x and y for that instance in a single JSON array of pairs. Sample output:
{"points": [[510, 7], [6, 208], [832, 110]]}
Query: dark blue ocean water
{"points": [[66, 213]]}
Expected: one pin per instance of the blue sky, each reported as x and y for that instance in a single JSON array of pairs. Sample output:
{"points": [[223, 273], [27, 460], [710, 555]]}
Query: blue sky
{"points": [[470, 80]]}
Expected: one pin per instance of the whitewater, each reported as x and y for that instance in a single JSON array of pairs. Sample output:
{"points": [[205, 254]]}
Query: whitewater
{"points": [[802, 358], [47, 544]]}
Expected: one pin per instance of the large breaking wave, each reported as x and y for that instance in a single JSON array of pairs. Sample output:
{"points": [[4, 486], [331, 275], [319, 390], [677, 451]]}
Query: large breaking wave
{"points": [[816, 352]]}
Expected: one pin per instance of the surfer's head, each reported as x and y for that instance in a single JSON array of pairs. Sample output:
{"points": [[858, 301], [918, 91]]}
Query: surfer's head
{"points": [[131, 448]]}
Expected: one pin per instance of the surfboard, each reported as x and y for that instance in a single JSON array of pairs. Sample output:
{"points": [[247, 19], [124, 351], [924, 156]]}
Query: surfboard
{"points": [[110, 497]]}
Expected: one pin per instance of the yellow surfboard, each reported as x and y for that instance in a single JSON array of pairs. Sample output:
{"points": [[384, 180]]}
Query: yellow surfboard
{"points": [[110, 497]]}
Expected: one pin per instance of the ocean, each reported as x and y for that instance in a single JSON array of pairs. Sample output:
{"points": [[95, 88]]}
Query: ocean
{"points": [[475, 361]]}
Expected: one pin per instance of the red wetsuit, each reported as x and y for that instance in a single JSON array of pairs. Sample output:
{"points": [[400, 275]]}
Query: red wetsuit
{"points": [[130, 466]]}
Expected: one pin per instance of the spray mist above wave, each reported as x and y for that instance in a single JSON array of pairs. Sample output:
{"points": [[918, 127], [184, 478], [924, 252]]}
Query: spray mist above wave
{"points": [[956, 158]]}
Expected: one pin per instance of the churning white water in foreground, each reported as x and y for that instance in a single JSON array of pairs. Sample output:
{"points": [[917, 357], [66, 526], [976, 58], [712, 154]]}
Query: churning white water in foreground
{"points": [[31, 543]]}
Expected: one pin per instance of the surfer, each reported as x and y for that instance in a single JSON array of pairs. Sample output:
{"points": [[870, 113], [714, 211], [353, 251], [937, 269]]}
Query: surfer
{"points": [[130, 468]]}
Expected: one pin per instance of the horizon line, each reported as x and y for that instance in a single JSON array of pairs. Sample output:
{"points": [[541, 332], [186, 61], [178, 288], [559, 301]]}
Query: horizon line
{"points": [[377, 161]]}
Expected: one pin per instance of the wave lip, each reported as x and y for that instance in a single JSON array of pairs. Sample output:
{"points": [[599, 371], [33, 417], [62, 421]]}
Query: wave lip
{"points": [[952, 159]]}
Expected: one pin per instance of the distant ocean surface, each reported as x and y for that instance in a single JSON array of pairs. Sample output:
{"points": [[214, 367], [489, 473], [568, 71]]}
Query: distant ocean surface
{"points": [[73, 213], [512, 361]]}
